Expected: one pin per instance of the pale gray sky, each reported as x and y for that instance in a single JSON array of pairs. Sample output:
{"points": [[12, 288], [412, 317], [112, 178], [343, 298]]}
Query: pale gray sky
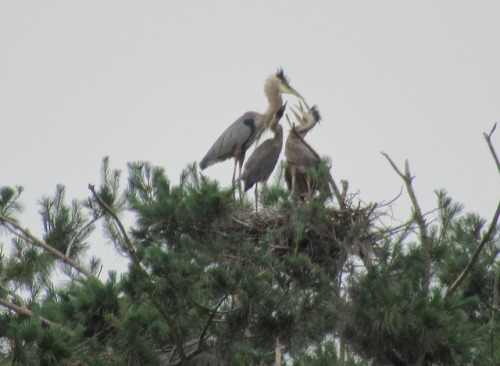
{"points": [[160, 80]]}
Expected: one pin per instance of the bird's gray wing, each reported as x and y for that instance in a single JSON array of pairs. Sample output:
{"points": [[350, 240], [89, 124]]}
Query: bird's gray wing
{"points": [[261, 163], [300, 155], [235, 139]]}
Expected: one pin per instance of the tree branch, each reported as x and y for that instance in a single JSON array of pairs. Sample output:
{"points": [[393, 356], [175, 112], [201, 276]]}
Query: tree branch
{"points": [[128, 243], [486, 237], [135, 259], [23, 311], [15, 229], [491, 230], [490, 145], [419, 218], [78, 235]]}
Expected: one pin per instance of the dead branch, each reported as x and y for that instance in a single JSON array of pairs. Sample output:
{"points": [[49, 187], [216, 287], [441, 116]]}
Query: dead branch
{"points": [[490, 145], [419, 218]]}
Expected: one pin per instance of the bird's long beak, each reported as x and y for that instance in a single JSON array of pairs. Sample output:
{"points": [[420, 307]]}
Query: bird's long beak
{"points": [[289, 90], [281, 111], [297, 117], [299, 109]]}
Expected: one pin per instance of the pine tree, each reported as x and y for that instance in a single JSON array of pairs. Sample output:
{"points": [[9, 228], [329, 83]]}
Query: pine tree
{"points": [[211, 282]]}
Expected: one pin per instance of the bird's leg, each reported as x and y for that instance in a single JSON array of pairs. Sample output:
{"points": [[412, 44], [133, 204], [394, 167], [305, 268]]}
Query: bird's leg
{"points": [[309, 190], [240, 163], [233, 182], [256, 197], [293, 173], [264, 191]]}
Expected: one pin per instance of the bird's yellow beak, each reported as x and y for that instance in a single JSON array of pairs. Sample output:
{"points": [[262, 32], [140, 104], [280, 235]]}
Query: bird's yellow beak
{"points": [[299, 109], [289, 90]]}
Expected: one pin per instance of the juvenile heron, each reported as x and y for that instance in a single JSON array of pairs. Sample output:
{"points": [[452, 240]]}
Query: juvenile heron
{"points": [[262, 162], [242, 133], [300, 157]]}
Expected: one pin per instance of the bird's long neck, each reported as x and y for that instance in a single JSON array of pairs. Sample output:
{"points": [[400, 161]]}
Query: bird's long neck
{"points": [[303, 130], [278, 133], [275, 103], [273, 94]]}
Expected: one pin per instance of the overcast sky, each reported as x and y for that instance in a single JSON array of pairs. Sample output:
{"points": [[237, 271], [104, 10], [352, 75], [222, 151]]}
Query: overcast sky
{"points": [[160, 80]]}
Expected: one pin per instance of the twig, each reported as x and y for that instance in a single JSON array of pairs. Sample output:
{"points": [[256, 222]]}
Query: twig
{"points": [[241, 222], [490, 145], [23, 311], [209, 321], [486, 237], [14, 228], [277, 353], [128, 243], [77, 236], [419, 217]]}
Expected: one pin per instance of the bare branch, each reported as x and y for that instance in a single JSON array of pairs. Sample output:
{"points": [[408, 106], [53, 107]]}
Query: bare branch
{"points": [[277, 353], [419, 218], [393, 165], [486, 237], [490, 145], [23, 311], [17, 230]]}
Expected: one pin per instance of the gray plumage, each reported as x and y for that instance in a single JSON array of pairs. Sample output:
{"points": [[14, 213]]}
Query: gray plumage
{"points": [[241, 134], [264, 158], [300, 158], [236, 139]]}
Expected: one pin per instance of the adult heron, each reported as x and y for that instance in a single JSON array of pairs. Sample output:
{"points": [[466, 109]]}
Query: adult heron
{"points": [[300, 158], [262, 162], [242, 133]]}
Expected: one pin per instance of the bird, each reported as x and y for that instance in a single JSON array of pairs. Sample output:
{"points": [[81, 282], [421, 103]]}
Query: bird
{"points": [[242, 133], [300, 157], [264, 158]]}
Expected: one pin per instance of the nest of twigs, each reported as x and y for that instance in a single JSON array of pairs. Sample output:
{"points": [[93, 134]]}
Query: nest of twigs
{"points": [[333, 235]]}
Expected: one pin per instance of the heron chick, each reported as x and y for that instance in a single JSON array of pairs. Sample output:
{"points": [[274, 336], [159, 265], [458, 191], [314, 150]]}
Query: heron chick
{"points": [[264, 158], [242, 133], [300, 158]]}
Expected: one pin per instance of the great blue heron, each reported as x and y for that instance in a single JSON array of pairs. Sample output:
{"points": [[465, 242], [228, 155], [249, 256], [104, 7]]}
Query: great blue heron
{"points": [[262, 162], [300, 158], [242, 133]]}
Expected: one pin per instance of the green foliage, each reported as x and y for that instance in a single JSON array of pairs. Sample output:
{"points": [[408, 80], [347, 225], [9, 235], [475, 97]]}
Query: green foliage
{"points": [[9, 205], [31, 344], [64, 225], [209, 279]]}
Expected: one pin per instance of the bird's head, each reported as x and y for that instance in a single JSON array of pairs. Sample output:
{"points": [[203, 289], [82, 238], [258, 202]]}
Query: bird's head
{"points": [[282, 83], [314, 113], [309, 116]]}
